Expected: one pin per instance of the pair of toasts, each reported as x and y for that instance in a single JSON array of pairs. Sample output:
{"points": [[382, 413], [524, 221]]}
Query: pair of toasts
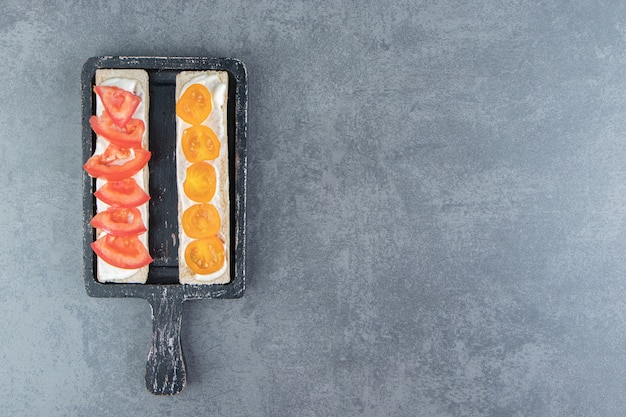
{"points": [[120, 166]]}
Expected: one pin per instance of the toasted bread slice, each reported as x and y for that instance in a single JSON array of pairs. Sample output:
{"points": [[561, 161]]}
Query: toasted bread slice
{"points": [[217, 83], [106, 272]]}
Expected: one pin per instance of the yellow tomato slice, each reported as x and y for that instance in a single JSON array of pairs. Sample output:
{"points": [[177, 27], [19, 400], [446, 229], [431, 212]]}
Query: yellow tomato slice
{"points": [[201, 221], [205, 256], [200, 182], [195, 104], [200, 143]]}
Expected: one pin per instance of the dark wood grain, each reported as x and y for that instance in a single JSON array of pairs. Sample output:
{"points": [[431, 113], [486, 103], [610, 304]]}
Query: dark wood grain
{"points": [[165, 368], [163, 230]]}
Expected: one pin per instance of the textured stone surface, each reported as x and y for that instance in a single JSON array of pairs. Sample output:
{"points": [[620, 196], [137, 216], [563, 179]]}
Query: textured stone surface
{"points": [[436, 205]]}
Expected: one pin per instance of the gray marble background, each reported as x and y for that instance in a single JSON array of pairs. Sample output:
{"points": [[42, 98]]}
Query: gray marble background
{"points": [[436, 212]]}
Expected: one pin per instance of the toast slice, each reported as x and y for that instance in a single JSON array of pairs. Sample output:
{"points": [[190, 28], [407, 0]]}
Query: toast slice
{"points": [[217, 84], [138, 81]]}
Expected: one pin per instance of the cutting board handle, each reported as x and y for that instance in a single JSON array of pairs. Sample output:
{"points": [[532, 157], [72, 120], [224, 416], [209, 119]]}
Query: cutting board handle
{"points": [[165, 369]]}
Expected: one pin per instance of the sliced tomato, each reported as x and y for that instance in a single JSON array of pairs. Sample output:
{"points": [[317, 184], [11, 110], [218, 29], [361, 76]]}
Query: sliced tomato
{"points": [[112, 164], [195, 104], [201, 221], [200, 182], [129, 136], [123, 193], [118, 103], [114, 153], [205, 256], [200, 143], [123, 252], [119, 221]]}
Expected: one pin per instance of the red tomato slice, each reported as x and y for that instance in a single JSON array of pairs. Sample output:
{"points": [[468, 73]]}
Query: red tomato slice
{"points": [[118, 103], [124, 252], [129, 136], [108, 166], [123, 193], [119, 221]]}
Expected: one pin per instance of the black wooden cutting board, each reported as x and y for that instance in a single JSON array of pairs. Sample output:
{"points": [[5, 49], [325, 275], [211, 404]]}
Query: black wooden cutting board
{"points": [[165, 370]]}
